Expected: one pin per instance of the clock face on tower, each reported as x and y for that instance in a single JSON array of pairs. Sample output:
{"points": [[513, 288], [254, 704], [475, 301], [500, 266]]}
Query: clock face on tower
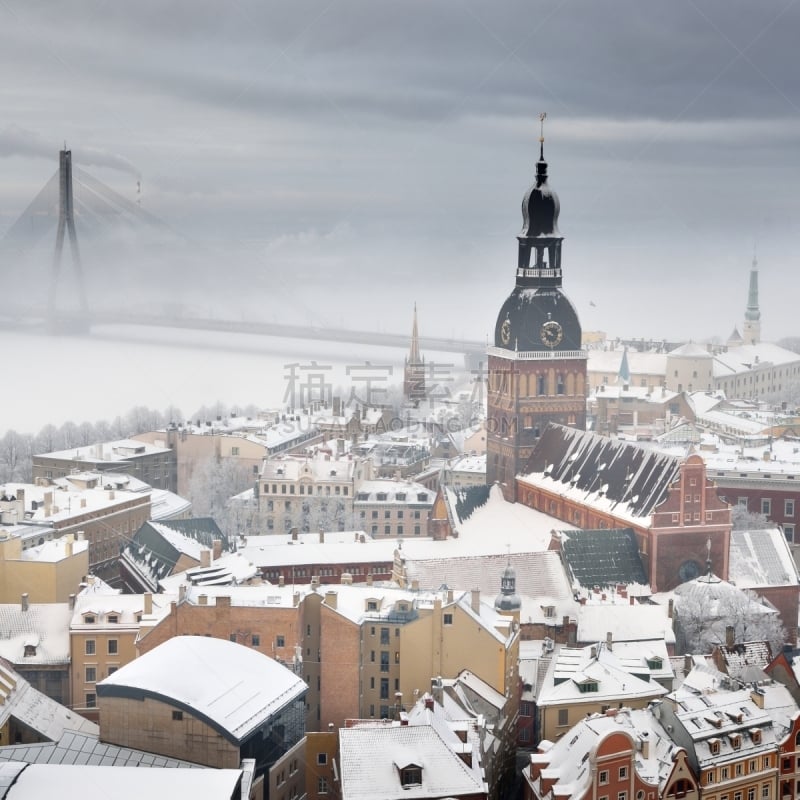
{"points": [[505, 331], [551, 333]]}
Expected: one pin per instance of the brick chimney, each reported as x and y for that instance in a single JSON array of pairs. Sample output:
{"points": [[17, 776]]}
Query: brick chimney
{"points": [[330, 599], [205, 557], [216, 548], [730, 636], [25, 604], [148, 603], [475, 601]]}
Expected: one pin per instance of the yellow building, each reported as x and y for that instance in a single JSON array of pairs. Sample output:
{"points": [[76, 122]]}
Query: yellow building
{"points": [[47, 573], [103, 633]]}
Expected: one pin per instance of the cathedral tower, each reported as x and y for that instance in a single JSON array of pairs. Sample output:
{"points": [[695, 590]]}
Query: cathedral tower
{"points": [[537, 369]]}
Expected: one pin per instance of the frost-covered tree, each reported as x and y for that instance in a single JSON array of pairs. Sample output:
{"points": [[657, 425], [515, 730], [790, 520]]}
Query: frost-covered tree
{"points": [[212, 486], [705, 609], [744, 520]]}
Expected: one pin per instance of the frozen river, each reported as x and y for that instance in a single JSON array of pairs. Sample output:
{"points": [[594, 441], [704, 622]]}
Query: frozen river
{"points": [[53, 379]]}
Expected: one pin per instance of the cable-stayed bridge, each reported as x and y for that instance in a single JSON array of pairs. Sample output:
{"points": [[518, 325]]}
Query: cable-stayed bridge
{"points": [[75, 204]]}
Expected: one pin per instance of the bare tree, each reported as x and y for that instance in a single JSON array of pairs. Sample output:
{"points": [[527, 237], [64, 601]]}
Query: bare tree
{"points": [[212, 486]]}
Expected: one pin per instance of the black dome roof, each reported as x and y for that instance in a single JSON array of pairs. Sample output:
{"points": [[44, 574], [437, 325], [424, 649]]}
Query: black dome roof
{"points": [[526, 310]]}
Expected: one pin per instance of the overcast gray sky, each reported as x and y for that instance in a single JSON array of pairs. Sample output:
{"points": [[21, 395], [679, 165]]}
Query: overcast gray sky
{"points": [[319, 151]]}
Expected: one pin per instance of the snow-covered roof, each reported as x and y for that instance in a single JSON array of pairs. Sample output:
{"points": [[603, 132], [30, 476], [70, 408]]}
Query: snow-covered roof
{"points": [[372, 759], [639, 622], [608, 361], [571, 667], [43, 629], [747, 357], [118, 450], [567, 760], [56, 549], [128, 608], [690, 350], [70, 781], [384, 492], [761, 558], [167, 505], [472, 463], [319, 468], [233, 688], [28, 706], [227, 570]]}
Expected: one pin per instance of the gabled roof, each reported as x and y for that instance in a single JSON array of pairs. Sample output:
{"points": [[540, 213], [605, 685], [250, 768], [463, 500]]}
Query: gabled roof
{"points": [[608, 474], [233, 688], [603, 557], [157, 546], [368, 769]]}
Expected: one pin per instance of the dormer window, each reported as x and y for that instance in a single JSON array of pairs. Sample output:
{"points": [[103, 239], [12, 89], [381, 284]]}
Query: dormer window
{"points": [[736, 741], [411, 775], [89, 619], [381, 496], [422, 497], [400, 496], [655, 663], [113, 619], [30, 651], [755, 735], [372, 605], [713, 746]]}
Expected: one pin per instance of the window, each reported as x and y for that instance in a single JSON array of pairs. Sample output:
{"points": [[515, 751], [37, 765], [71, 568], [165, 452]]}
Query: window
{"points": [[411, 776], [384, 688], [766, 506], [112, 669], [788, 508], [113, 647], [384, 660], [232, 637], [91, 674], [113, 619], [91, 700], [384, 636], [713, 746], [90, 647], [177, 716], [280, 641], [322, 759], [788, 531], [448, 619], [89, 619], [603, 777], [256, 639], [322, 785], [623, 773], [563, 717], [622, 796], [751, 793]]}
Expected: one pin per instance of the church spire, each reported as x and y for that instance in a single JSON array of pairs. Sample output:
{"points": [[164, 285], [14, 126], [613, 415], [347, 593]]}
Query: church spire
{"points": [[413, 356], [414, 372]]}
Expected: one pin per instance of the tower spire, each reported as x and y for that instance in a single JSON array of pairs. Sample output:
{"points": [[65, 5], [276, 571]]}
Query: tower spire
{"points": [[414, 373], [752, 316], [414, 356]]}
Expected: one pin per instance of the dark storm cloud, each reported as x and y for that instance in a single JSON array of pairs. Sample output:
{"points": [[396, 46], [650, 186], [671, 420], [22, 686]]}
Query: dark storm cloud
{"points": [[413, 125]]}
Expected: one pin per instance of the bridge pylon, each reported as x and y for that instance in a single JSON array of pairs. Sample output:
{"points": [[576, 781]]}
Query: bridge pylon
{"points": [[66, 223]]}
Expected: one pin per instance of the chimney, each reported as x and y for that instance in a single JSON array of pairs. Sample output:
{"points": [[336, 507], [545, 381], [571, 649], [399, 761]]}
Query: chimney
{"points": [[321, 536], [476, 601], [72, 602], [24, 601], [330, 599], [609, 642], [281, 581], [182, 593], [687, 664], [294, 534], [670, 608], [48, 503], [645, 744], [296, 599], [224, 601], [414, 585], [449, 595], [346, 579], [202, 600], [216, 549], [205, 557], [148, 603], [369, 579], [68, 544], [314, 582], [632, 600], [429, 703], [730, 636]]}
